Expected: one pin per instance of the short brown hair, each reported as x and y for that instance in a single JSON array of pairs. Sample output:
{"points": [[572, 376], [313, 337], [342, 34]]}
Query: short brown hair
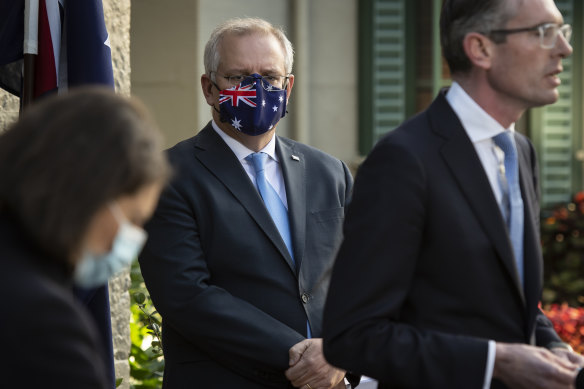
{"points": [[70, 155], [460, 17]]}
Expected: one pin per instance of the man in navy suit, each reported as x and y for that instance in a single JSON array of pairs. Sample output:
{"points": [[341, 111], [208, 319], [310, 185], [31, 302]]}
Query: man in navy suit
{"points": [[241, 245], [437, 282]]}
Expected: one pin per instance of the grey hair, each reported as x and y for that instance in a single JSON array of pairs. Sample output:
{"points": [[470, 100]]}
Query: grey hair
{"points": [[245, 26], [460, 17]]}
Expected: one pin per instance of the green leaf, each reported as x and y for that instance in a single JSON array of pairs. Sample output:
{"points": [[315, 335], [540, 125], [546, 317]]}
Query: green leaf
{"points": [[139, 298]]}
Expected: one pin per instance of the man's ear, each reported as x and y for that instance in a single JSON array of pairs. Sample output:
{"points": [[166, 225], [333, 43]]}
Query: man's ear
{"points": [[207, 87], [289, 87], [479, 49]]}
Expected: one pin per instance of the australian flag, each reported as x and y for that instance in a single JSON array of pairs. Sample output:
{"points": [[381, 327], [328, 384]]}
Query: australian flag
{"points": [[67, 37], [11, 45]]}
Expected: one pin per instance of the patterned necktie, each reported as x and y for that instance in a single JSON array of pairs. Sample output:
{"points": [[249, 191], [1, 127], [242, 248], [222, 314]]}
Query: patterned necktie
{"points": [[512, 201], [271, 199]]}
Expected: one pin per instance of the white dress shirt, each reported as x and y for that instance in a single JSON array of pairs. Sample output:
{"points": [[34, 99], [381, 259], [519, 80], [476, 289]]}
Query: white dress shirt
{"points": [[481, 128], [273, 169]]}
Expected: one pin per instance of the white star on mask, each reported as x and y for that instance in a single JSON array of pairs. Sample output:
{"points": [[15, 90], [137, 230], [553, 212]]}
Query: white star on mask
{"points": [[236, 123], [263, 103], [281, 99], [275, 108]]}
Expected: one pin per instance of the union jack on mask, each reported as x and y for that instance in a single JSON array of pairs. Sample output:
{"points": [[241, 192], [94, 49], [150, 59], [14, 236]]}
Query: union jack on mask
{"points": [[252, 108]]}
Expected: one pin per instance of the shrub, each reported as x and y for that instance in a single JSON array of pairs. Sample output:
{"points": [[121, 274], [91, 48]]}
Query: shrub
{"points": [[562, 232], [146, 359], [562, 236], [569, 324]]}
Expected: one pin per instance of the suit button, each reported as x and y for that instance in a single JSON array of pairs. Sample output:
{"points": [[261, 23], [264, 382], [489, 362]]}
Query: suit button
{"points": [[305, 298]]}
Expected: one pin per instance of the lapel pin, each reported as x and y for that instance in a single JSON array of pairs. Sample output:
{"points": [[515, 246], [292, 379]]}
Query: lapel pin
{"points": [[294, 157]]}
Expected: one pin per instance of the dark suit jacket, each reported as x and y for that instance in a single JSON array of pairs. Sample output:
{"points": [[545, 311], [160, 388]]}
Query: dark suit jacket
{"points": [[426, 272], [231, 299], [96, 300], [49, 340]]}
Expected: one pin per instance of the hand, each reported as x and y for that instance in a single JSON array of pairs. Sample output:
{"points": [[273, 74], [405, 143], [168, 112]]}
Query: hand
{"points": [[568, 355], [308, 367], [526, 367], [341, 385]]}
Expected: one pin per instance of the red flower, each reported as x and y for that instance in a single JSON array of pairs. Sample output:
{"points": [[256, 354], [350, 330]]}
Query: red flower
{"points": [[568, 323]]}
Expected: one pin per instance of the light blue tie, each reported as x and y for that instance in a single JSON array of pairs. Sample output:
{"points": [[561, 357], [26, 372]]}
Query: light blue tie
{"points": [[271, 199], [274, 205], [512, 201]]}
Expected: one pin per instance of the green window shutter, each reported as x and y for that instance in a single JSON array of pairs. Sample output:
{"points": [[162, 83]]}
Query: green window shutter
{"points": [[388, 66], [553, 132], [382, 75]]}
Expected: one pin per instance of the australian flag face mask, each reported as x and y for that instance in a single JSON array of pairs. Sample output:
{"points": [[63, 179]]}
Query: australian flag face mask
{"points": [[254, 106]]}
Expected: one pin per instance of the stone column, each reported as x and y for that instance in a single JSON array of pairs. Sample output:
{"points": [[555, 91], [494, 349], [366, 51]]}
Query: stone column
{"points": [[117, 20], [120, 311], [9, 106]]}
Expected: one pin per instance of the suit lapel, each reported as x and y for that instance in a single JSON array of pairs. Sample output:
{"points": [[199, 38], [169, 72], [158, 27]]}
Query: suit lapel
{"points": [[465, 165], [294, 171], [218, 158]]}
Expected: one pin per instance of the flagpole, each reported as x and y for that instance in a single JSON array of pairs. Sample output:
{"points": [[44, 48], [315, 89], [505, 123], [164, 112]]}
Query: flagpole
{"points": [[30, 50], [28, 81]]}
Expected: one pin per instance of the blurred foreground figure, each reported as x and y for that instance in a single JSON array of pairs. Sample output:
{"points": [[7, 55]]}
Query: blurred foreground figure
{"points": [[79, 175]]}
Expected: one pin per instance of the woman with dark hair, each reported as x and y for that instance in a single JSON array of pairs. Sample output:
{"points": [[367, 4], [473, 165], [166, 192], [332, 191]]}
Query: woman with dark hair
{"points": [[79, 175]]}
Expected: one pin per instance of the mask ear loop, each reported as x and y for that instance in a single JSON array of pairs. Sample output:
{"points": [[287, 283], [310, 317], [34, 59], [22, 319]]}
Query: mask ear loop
{"points": [[117, 212], [215, 85], [285, 87], [136, 232], [223, 120]]}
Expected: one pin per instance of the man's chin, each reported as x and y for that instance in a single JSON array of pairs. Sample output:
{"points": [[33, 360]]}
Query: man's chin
{"points": [[549, 98]]}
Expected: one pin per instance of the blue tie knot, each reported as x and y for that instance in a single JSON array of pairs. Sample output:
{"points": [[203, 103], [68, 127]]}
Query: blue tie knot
{"points": [[504, 141], [258, 160]]}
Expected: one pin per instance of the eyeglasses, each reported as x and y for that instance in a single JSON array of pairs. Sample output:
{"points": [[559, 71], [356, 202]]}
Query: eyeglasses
{"points": [[267, 82], [548, 33]]}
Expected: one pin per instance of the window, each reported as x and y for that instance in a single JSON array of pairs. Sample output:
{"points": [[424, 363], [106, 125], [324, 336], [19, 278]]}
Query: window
{"points": [[556, 130]]}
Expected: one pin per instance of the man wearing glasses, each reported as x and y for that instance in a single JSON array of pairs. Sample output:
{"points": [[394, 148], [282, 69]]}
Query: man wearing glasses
{"points": [[243, 240], [440, 271]]}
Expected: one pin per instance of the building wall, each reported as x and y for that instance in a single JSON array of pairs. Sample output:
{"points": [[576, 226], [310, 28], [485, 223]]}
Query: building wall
{"points": [[163, 55], [333, 77], [167, 62]]}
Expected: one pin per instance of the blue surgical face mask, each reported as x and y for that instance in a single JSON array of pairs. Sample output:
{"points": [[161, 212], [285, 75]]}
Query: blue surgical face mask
{"points": [[254, 106], [96, 269]]}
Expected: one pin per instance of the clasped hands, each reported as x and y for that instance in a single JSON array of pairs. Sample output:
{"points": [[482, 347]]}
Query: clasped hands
{"points": [[309, 369], [523, 366]]}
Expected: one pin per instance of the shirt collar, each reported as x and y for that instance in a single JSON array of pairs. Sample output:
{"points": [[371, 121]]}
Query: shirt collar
{"points": [[240, 150], [479, 125]]}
